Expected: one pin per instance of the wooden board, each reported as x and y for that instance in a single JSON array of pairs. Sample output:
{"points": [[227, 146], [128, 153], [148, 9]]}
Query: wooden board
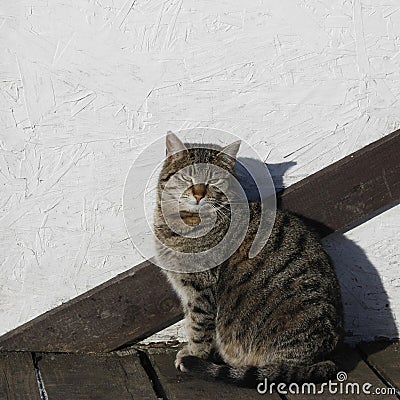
{"points": [[17, 377], [134, 304], [385, 358], [180, 386], [358, 372], [140, 302], [94, 377], [350, 189]]}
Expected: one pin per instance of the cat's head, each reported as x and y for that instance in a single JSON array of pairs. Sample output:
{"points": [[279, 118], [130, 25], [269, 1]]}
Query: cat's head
{"points": [[194, 175]]}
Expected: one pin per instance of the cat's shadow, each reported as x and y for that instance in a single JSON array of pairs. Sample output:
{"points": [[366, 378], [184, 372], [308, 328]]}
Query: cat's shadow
{"points": [[247, 168], [367, 310]]}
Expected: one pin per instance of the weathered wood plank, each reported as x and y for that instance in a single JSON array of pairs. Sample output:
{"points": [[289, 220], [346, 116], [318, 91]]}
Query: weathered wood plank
{"points": [[358, 372], [17, 377], [94, 377], [385, 358], [351, 188], [140, 302], [132, 305], [180, 386]]}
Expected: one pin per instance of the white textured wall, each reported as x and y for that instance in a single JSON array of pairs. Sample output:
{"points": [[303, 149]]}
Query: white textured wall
{"points": [[85, 84]]}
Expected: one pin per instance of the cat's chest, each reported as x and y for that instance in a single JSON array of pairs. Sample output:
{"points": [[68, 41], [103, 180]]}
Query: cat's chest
{"points": [[190, 286]]}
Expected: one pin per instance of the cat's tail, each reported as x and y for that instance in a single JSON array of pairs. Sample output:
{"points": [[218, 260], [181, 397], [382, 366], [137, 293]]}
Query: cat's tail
{"points": [[284, 371]]}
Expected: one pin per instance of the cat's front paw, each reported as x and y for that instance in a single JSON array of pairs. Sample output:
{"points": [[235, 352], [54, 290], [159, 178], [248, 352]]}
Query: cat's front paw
{"points": [[178, 360]]}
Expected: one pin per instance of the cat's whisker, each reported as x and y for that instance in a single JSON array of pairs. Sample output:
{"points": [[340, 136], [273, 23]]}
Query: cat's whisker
{"points": [[221, 213]]}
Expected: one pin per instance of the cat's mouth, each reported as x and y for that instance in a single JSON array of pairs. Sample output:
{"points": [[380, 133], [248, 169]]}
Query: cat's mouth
{"points": [[190, 218]]}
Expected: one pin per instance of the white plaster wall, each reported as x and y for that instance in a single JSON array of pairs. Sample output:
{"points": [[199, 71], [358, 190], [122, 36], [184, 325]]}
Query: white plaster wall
{"points": [[86, 84]]}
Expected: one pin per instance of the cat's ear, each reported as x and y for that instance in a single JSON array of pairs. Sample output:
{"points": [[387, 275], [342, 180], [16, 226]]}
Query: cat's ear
{"points": [[174, 146], [229, 153]]}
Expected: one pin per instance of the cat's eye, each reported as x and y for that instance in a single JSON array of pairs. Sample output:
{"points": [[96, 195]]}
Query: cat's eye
{"points": [[186, 178], [215, 181]]}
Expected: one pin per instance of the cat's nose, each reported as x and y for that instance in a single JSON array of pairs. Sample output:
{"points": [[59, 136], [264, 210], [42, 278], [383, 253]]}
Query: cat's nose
{"points": [[199, 191], [198, 197]]}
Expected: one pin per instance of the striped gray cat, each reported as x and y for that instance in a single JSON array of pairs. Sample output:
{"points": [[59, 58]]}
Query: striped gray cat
{"points": [[277, 316]]}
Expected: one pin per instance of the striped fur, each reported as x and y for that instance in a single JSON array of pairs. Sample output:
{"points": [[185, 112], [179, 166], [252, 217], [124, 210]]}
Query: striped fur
{"points": [[284, 371], [276, 316]]}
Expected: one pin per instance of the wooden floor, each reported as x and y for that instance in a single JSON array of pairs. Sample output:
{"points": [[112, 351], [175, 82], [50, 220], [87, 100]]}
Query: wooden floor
{"points": [[149, 374]]}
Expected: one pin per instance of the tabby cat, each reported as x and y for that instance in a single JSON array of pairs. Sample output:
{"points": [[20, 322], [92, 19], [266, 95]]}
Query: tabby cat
{"points": [[277, 316]]}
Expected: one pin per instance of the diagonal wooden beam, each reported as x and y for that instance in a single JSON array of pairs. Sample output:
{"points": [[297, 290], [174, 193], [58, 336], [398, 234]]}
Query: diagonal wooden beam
{"points": [[123, 309], [349, 190], [140, 302]]}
